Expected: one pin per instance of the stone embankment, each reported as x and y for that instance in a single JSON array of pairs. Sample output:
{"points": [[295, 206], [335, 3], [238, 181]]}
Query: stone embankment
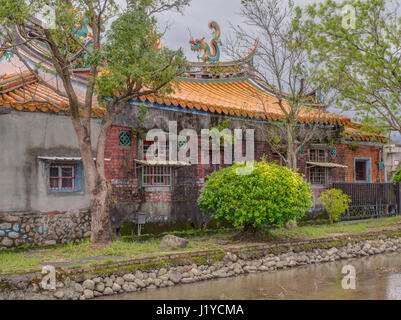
{"points": [[158, 274], [43, 229]]}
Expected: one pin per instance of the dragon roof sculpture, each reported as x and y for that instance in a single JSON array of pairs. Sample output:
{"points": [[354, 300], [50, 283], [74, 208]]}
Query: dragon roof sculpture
{"points": [[212, 52], [210, 65]]}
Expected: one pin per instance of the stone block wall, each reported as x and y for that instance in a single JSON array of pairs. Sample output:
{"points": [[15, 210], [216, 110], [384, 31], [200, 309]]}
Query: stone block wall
{"points": [[43, 229]]}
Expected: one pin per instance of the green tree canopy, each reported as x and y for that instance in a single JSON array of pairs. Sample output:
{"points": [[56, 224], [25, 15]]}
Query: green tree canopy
{"points": [[358, 43]]}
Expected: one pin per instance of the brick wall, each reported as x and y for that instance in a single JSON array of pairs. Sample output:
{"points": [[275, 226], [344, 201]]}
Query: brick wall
{"points": [[372, 152], [121, 169], [188, 181]]}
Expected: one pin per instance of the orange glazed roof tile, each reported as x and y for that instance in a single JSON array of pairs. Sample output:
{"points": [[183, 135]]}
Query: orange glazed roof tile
{"points": [[23, 92], [353, 132], [240, 97]]}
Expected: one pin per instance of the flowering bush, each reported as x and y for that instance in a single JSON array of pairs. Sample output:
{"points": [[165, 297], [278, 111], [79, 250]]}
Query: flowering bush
{"points": [[270, 195]]}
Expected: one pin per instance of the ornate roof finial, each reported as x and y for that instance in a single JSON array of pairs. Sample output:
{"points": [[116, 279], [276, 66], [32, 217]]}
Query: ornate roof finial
{"points": [[212, 52]]}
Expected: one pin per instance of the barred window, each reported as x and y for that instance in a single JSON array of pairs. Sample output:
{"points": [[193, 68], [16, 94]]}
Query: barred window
{"points": [[317, 175], [156, 175], [317, 155], [62, 177]]}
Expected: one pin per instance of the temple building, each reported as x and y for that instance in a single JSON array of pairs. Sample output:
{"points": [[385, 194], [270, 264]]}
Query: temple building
{"points": [[41, 170]]}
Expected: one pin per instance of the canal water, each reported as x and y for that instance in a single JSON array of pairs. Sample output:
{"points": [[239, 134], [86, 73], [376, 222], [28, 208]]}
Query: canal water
{"points": [[377, 277]]}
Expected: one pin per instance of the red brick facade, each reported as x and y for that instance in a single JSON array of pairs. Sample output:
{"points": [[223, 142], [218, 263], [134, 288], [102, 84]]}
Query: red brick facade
{"points": [[121, 170]]}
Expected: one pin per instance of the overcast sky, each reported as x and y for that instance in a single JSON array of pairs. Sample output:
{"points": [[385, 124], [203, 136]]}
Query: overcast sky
{"points": [[196, 18]]}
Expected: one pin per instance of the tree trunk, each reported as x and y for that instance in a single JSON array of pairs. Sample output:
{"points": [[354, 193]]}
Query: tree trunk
{"points": [[99, 187], [291, 163], [100, 214]]}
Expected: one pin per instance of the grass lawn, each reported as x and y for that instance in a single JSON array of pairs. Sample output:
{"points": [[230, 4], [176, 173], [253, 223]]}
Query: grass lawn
{"points": [[322, 231], [82, 254]]}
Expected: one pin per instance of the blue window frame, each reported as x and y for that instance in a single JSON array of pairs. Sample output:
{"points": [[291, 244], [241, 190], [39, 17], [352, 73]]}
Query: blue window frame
{"points": [[64, 177]]}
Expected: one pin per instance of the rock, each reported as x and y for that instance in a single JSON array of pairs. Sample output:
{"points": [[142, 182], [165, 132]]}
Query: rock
{"points": [[270, 263], [221, 274], [78, 288], [120, 281], [171, 241], [50, 243], [140, 283], [250, 269], [100, 287], [175, 276], [89, 284], [162, 272], [108, 282], [5, 226], [230, 257], [59, 294], [238, 271], [195, 272], [7, 242], [366, 247], [116, 287], [97, 294], [127, 287], [164, 277], [332, 251], [97, 280], [129, 277], [139, 275], [108, 291], [88, 294], [13, 235], [187, 280]]}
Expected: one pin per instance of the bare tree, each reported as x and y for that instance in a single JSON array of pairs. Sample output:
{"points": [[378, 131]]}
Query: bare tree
{"points": [[282, 70]]}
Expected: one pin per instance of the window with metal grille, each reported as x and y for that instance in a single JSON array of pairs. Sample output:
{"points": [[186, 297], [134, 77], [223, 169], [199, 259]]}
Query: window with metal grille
{"points": [[156, 176], [317, 155], [361, 172], [62, 177], [125, 138], [317, 175]]}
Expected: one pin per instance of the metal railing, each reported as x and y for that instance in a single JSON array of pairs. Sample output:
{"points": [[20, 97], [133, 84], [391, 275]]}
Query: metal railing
{"points": [[371, 199]]}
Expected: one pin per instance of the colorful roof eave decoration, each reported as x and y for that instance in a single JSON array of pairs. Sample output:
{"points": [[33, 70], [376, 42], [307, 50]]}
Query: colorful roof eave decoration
{"points": [[23, 93]]}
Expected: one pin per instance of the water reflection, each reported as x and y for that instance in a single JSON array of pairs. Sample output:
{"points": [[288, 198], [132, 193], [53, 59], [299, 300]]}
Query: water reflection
{"points": [[377, 277]]}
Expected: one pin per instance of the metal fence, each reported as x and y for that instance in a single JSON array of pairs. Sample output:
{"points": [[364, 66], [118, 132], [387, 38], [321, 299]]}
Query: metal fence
{"points": [[371, 199]]}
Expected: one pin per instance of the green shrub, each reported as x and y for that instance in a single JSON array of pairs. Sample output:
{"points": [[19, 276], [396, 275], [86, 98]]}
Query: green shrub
{"points": [[270, 196], [335, 202], [397, 176]]}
